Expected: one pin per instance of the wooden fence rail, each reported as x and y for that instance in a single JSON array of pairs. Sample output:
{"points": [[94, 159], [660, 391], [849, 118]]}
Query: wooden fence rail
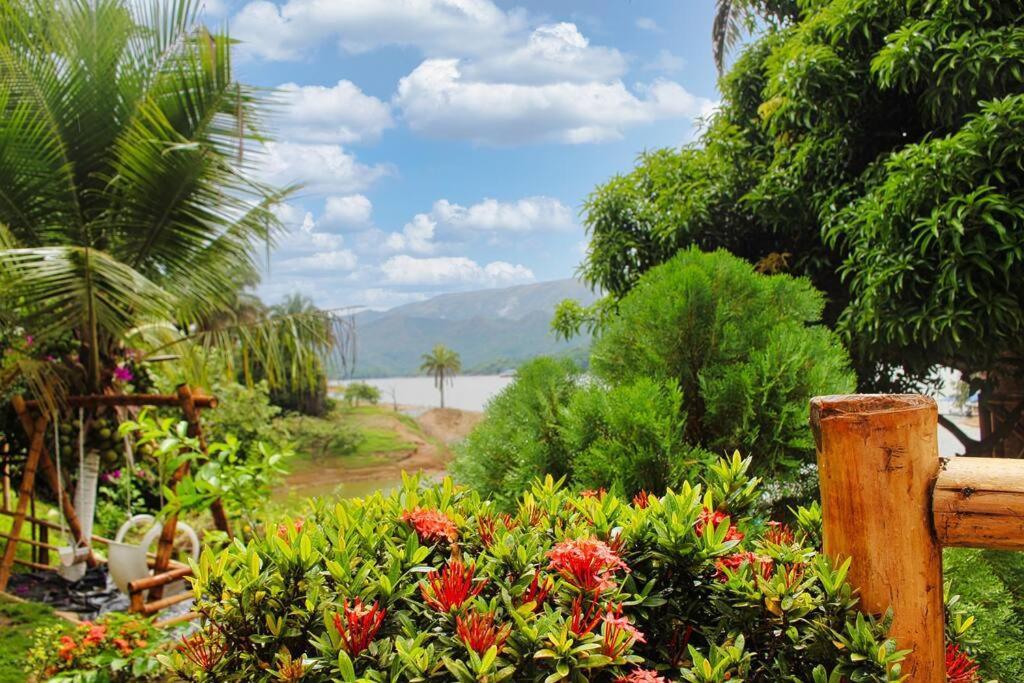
{"points": [[890, 503]]}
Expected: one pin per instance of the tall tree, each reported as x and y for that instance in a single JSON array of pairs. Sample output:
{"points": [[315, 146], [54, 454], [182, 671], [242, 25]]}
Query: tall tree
{"points": [[129, 210], [874, 147], [443, 364]]}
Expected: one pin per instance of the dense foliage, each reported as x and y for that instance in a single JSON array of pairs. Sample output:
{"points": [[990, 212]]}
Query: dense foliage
{"points": [[702, 357], [434, 584], [873, 146]]}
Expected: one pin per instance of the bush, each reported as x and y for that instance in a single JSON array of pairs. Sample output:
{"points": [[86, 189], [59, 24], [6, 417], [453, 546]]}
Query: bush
{"points": [[355, 392], [520, 437], [117, 647], [433, 584], [704, 356]]}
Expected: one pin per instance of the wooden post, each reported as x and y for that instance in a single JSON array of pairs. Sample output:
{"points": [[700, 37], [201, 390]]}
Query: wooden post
{"points": [[979, 503], [878, 461], [28, 479]]}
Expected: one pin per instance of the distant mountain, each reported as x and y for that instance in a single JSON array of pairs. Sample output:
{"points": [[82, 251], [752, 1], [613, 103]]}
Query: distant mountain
{"points": [[491, 329]]}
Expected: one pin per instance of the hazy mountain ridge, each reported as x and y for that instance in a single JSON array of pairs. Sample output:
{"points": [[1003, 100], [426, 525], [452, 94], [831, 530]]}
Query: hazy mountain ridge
{"points": [[491, 329]]}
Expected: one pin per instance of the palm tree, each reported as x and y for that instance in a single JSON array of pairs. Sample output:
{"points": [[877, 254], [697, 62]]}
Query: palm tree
{"points": [[443, 364], [129, 211], [731, 16]]}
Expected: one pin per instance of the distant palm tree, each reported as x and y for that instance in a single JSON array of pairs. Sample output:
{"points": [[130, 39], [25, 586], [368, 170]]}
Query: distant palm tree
{"points": [[443, 364]]}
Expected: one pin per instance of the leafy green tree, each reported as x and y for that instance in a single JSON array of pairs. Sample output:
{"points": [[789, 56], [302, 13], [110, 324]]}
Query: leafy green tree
{"points": [[874, 147], [361, 391], [442, 364], [130, 215]]}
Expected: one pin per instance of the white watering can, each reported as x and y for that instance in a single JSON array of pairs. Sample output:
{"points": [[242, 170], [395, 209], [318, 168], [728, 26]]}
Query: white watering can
{"points": [[127, 561]]}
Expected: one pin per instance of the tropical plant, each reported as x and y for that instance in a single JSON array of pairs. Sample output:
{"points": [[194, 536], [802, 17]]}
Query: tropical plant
{"points": [[873, 147], [129, 212], [442, 364], [433, 584], [355, 392]]}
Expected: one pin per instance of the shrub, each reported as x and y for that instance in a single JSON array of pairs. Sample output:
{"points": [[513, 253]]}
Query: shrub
{"points": [[355, 392], [117, 647], [520, 437], [434, 584]]}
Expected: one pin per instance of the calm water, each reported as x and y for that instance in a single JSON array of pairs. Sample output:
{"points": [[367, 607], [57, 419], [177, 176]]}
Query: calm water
{"points": [[467, 392]]}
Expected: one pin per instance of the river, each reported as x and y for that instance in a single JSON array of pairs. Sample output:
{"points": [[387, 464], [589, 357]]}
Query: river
{"points": [[465, 392]]}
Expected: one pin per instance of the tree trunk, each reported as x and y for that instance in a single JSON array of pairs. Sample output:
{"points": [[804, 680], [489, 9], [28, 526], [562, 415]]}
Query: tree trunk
{"points": [[441, 384], [999, 403]]}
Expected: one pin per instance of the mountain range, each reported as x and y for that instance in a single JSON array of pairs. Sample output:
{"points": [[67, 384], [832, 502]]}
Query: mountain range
{"points": [[491, 329]]}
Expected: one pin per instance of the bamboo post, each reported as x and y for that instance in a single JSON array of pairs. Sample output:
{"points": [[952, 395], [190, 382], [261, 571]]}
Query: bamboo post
{"points": [[979, 503], [28, 479], [878, 460], [53, 480]]}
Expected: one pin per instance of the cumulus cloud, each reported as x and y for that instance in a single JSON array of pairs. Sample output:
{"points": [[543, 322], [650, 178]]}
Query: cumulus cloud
{"points": [[332, 261], [435, 99], [347, 212], [341, 113], [417, 236], [320, 167], [553, 53], [453, 270], [523, 215], [648, 24], [286, 32]]}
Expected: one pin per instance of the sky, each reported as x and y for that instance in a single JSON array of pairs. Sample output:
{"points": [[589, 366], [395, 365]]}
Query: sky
{"points": [[448, 145]]}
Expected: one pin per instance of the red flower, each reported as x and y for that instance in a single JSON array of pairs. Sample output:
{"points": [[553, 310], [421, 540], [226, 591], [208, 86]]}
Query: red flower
{"points": [[479, 632], [282, 529], [431, 525], [123, 645], [715, 518], [641, 676], [599, 493], [736, 560], [583, 622], [779, 534], [537, 591], [642, 500], [586, 563], [485, 527], [67, 648], [203, 651], [619, 634], [960, 668], [359, 625], [450, 588]]}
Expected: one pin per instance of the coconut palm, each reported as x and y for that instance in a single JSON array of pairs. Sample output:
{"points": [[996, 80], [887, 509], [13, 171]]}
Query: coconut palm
{"points": [[731, 17], [129, 209], [443, 364]]}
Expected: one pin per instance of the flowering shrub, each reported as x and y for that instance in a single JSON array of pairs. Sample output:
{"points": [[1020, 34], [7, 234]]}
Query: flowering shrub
{"points": [[117, 647], [432, 583]]}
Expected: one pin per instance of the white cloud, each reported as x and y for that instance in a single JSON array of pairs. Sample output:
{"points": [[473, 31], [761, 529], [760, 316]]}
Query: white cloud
{"points": [[666, 62], [434, 26], [436, 100], [341, 259], [320, 167], [648, 24], [416, 236], [553, 53], [523, 215], [347, 212], [453, 270], [341, 113]]}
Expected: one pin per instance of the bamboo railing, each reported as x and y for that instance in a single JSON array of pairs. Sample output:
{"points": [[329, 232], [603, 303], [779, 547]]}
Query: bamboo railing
{"points": [[890, 503]]}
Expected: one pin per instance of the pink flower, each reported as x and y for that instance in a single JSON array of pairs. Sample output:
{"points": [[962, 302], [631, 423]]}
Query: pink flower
{"points": [[123, 374], [715, 518], [641, 676], [619, 634]]}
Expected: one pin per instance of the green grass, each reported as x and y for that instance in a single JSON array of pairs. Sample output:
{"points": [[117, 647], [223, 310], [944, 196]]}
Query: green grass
{"points": [[380, 440], [24, 549], [18, 622]]}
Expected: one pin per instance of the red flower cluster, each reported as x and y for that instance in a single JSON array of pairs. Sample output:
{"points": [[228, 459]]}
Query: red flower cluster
{"points": [[619, 634], [960, 668], [599, 493], [537, 591], [736, 560], [431, 526], [643, 500], [641, 676], [584, 621], [479, 632], [450, 588], [715, 518], [91, 634], [779, 534], [359, 625], [203, 651], [282, 529], [586, 563]]}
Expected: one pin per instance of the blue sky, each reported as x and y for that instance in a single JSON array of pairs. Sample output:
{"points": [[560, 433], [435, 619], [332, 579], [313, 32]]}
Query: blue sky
{"points": [[447, 145]]}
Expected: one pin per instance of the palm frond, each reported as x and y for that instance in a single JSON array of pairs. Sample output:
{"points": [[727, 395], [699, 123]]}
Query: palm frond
{"points": [[727, 29]]}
